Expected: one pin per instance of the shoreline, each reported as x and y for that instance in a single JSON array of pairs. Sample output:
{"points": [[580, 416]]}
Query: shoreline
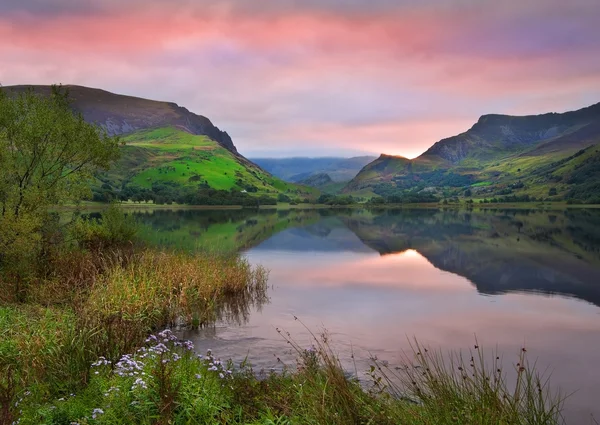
{"points": [[282, 206]]}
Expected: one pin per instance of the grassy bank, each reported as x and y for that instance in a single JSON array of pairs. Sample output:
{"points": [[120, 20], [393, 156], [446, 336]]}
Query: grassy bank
{"points": [[165, 381], [80, 304]]}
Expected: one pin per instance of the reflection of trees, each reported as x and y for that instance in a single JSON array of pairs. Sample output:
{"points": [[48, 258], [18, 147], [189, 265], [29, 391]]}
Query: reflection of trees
{"points": [[197, 229]]}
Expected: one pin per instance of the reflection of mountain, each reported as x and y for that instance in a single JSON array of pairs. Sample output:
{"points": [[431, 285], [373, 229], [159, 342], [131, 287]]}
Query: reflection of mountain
{"points": [[327, 235], [218, 230], [499, 251]]}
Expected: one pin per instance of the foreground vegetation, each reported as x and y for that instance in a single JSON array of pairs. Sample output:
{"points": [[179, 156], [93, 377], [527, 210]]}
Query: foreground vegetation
{"points": [[166, 381]]}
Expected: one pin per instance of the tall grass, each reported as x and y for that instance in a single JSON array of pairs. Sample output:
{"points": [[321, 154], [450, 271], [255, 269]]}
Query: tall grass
{"points": [[449, 388], [88, 304], [155, 289]]}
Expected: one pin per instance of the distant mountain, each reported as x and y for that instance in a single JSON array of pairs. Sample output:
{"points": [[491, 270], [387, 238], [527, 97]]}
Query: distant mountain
{"points": [[541, 155], [166, 148], [316, 180], [298, 169]]}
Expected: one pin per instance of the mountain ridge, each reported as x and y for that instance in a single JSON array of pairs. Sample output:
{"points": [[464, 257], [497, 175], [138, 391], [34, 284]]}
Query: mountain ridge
{"points": [[122, 114], [499, 155]]}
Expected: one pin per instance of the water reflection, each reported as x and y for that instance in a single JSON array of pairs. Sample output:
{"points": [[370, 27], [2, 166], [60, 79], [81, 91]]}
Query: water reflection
{"points": [[375, 278]]}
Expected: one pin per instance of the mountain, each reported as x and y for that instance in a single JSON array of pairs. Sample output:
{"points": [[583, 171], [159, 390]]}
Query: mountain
{"points": [[166, 149], [120, 114], [298, 169], [316, 180], [536, 155]]}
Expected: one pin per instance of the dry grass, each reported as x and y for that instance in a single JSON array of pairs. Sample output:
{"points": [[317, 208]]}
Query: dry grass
{"points": [[162, 288]]}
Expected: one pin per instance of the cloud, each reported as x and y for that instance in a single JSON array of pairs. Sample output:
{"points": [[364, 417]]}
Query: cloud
{"points": [[376, 76]]}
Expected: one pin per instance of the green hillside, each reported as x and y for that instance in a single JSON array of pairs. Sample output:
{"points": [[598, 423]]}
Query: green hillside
{"points": [[155, 158], [550, 156]]}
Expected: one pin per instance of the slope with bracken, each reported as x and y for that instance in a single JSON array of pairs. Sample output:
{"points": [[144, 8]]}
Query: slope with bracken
{"points": [[501, 154]]}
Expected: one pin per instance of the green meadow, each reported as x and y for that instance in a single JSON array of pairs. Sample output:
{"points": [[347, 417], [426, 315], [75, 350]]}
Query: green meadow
{"points": [[173, 155]]}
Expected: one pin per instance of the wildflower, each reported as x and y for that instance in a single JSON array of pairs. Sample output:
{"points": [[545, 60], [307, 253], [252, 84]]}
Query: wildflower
{"points": [[101, 362], [139, 383], [221, 375], [167, 335], [188, 345], [198, 376], [213, 368], [159, 348], [97, 412]]}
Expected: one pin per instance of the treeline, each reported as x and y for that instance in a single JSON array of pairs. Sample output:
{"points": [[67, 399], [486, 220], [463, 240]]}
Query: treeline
{"points": [[405, 198], [511, 199], [170, 192]]}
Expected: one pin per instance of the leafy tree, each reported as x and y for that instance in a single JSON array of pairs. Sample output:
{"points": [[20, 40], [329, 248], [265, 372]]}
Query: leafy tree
{"points": [[47, 155]]}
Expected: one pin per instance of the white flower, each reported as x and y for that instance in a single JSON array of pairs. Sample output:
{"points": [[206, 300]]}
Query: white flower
{"points": [[97, 412]]}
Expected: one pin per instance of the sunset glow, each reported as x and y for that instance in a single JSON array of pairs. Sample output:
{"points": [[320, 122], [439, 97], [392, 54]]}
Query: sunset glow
{"points": [[317, 77]]}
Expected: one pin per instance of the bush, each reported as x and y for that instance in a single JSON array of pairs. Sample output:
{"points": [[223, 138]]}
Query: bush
{"points": [[283, 198], [114, 227]]}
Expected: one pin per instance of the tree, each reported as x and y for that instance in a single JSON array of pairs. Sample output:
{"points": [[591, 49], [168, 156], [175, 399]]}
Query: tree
{"points": [[47, 155], [552, 191]]}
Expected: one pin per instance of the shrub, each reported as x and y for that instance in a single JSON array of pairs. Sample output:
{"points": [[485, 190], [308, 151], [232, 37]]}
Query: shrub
{"points": [[113, 228]]}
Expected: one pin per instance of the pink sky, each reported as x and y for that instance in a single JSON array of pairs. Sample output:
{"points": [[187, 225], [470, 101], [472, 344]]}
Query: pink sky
{"points": [[314, 78]]}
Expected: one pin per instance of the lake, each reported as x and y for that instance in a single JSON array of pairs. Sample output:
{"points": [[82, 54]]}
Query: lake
{"points": [[376, 279]]}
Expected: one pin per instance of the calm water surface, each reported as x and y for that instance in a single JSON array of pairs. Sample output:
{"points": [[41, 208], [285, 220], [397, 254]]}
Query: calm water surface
{"points": [[375, 279]]}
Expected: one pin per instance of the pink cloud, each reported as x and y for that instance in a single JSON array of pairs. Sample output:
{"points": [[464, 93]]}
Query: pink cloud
{"points": [[393, 79]]}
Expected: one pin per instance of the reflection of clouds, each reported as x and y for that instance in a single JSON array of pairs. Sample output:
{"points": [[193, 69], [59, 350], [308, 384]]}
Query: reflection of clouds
{"points": [[369, 305], [407, 270]]}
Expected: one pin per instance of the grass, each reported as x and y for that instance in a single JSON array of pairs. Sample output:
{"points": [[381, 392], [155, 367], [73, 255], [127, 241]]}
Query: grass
{"points": [[84, 304], [165, 382], [156, 288], [172, 155], [457, 388]]}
